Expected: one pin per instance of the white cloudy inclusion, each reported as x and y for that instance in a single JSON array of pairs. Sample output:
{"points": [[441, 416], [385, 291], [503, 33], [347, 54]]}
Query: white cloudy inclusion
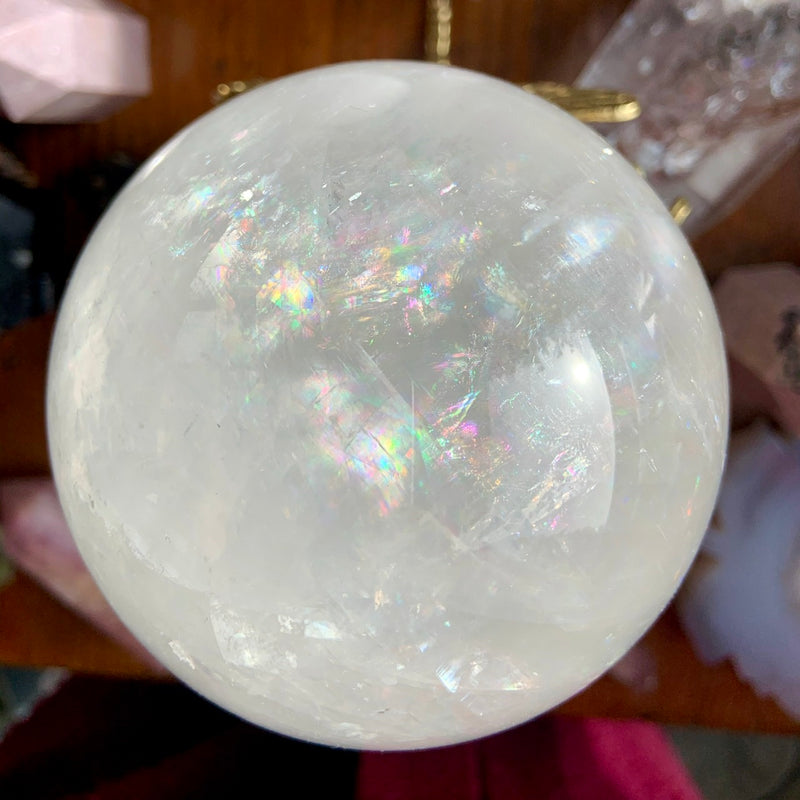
{"points": [[387, 405]]}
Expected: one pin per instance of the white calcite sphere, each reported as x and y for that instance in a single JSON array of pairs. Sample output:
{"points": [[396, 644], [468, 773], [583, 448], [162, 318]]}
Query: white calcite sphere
{"points": [[387, 405]]}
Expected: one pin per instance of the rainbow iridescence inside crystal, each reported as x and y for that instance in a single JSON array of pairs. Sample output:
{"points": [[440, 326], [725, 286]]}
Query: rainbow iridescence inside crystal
{"points": [[387, 405]]}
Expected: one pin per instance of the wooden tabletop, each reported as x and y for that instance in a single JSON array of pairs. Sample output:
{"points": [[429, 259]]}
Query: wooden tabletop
{"points": [[191, 53]]}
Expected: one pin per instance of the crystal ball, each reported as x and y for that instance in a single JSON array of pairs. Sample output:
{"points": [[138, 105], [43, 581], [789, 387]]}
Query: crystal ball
{"points": [[387, 405]]}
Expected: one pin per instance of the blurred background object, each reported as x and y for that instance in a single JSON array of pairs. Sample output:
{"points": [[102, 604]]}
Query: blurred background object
{"points": [[20, 295], [735, 766], [719, 84], [21, 689], [759, 310], [742, 598], [70, 60], [37, 540]]}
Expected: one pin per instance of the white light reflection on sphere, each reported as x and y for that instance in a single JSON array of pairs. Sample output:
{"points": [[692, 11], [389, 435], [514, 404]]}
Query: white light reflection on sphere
{"points": [[387, 405]]}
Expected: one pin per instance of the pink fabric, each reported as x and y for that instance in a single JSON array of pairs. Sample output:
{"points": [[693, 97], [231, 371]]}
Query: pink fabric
{"points": [[551, 758]]}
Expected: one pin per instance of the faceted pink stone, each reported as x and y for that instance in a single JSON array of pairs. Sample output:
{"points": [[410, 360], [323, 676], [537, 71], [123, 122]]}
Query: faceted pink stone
{"points": [[759, 309], [70, 60]]}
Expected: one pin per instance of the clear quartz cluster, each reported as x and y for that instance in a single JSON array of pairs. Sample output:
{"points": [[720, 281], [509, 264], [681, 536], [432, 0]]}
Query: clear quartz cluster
{"points": [[719, 85], [387, 405]]}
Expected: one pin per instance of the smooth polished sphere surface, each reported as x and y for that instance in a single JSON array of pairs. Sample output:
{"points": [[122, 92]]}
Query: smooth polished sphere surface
{"points": [[387, 405]]}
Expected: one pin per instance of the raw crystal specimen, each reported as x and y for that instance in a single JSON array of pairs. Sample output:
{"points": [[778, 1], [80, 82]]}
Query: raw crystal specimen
{"points": [[759, 310], [70, 60], [387, 405], [742, 599], [719, 84]]}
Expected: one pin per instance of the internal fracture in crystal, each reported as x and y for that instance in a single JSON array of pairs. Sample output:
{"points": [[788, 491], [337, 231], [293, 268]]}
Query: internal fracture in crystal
{"points": [[387, 405]]}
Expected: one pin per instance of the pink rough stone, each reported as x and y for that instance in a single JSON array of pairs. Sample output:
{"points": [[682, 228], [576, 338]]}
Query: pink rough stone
{"points": [[759, 310], [70, 60]]}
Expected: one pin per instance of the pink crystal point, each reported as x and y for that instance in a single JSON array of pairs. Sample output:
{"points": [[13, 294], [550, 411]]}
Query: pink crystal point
{"points": [[70, 60]]}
